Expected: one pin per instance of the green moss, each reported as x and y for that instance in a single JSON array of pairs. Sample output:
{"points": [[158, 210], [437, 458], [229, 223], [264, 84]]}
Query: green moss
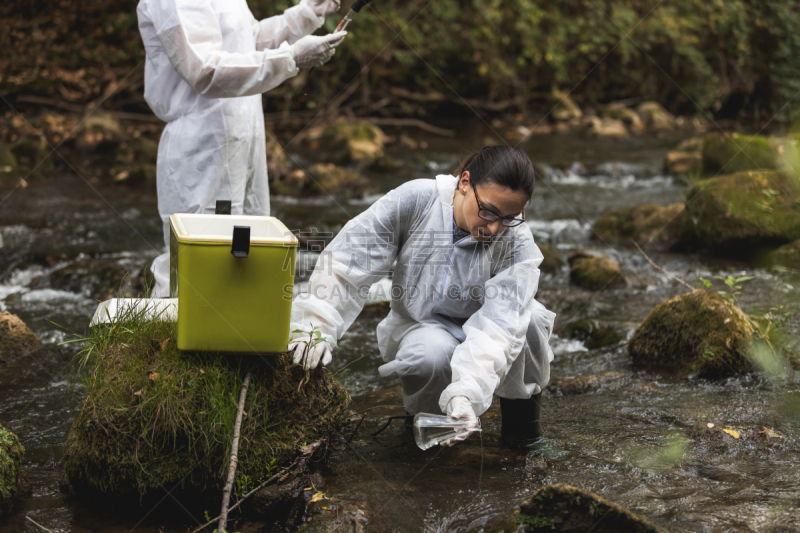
{"points": [[596, 273], [552, 261], [730, 153], [16, 339], [738, 213], [645, 224], [11, 453], [698, 332], [157, 417]]}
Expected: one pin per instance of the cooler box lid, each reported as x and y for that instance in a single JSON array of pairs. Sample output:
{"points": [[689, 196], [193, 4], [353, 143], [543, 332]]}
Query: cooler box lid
{"points": [[218, 229]]}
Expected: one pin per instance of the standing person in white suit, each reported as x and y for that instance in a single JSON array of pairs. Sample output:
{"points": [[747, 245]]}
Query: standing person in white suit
{"points": [[208, 61], [464, 324]]}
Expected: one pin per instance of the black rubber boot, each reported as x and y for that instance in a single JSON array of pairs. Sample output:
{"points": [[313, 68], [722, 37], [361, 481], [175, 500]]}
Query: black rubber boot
{"points": [[521, 428]]}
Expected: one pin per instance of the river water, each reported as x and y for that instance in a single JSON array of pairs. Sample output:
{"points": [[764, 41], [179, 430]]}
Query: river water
{"points": [[640, 438]]}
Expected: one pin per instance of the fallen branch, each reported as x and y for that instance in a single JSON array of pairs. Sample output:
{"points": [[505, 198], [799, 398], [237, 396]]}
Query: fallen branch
{"points": [[38, 525], [226, 493], [243, 498], [673, 276], [410, 122]]}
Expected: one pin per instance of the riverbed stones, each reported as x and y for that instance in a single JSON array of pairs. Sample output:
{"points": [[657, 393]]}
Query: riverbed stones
{"points": [[323, 179], [738, 214], [360, 143], [606, 128], [594, 271], [647, 224], [570, 509], [564, 107], [16, 339], [686, 159], [156, 417], [11, 474], [698, 332], [593, 333], [329, 514], [628, 116], [655, 117], [728, 153]]}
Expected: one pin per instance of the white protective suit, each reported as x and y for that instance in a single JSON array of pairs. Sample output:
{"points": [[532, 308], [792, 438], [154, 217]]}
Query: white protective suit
{"points": [[463, 319], [208, 61]]}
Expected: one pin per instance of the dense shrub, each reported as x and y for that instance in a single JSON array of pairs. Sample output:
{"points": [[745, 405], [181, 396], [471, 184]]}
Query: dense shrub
{"points": [[727, 57]]}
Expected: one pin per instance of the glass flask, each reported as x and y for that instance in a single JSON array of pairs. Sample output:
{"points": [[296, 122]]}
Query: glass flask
{"points": [[430, 430]]}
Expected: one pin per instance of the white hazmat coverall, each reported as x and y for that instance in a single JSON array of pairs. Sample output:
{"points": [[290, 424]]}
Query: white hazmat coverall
{"points": [[208, 61], [463, 319]]}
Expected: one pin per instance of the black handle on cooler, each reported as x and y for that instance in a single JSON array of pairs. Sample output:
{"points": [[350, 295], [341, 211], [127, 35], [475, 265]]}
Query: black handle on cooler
{"points": [[240, 243]]}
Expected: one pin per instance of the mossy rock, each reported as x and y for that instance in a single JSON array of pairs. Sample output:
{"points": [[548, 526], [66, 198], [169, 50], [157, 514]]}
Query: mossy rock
{"points": [[16, 339], [740, 213], [569, 509], [593, 333], [587, 384], [595, 272], [787, 255], [628, 116], [655, 117], [11, 474], [731, 153], [606, 128], [552, 261], [155, 417], [697, 332], [347, 143], [648, 224], [686, 159], [564, 107]]}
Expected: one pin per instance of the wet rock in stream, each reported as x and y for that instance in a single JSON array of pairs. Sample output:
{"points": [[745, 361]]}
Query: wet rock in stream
{"points": [[552, 261], [686, 159], [697, 332], [594, 271], [787, 255], [12, 482], [328, 514], [593, 333], [729, 153], [16, 339], [323, 179], [569, 509], [97, 278], [647, 225]]}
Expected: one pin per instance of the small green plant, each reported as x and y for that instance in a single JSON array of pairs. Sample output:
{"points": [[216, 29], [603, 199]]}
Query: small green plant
{"points": [[733, 286], [314, 337], [534, 522], [596, 508], [243, 483], [206, 516], [702, 283]]}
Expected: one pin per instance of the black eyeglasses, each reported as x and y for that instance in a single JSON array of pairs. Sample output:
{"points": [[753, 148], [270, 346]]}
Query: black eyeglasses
{"points": [[491, 216]]}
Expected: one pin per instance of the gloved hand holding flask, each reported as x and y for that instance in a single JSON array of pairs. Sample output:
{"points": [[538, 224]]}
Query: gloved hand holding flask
{"points": [[460, 408]]}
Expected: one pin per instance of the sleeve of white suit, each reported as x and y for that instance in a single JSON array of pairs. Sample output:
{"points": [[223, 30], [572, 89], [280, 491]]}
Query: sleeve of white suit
{"points": [[361, 254], [295, 23], [190, 34], [496, 333]]}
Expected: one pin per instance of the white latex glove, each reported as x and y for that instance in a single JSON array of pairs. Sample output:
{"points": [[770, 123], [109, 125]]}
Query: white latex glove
{"points": [[322, 8], [460, 408], [316, 50], [320, 352]]}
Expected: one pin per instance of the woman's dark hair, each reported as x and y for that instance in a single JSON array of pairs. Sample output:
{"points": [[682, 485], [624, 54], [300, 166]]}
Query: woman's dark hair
{"points": [[506, 166]]}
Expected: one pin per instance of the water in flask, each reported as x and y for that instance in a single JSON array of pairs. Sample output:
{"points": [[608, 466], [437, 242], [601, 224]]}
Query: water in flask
{"points": [[430, 430]]}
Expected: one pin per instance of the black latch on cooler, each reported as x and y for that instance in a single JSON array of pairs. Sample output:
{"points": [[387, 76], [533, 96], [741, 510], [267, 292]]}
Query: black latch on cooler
{"points": [[223, 207], [240, 244]]}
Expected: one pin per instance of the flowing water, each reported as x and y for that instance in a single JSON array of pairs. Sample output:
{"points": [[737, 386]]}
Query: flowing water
{"points": [[639, 438]]}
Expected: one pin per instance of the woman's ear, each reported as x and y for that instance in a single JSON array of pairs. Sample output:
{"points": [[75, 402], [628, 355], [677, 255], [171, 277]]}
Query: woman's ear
{"points": [[463, 182]]}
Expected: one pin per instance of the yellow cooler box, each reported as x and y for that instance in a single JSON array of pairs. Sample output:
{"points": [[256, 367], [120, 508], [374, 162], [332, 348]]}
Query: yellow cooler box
{"points": [[233, 277]]}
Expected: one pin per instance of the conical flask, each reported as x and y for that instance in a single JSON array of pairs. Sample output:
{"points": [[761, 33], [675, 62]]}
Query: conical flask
{"points": [[430, 430]]}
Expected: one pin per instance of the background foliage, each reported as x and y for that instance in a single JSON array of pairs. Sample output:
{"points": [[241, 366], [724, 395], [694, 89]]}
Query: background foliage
{"points": [[727, 57]]}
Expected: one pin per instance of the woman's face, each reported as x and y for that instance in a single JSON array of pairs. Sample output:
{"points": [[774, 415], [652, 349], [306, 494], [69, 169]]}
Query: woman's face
{"points": [[496, 198]]}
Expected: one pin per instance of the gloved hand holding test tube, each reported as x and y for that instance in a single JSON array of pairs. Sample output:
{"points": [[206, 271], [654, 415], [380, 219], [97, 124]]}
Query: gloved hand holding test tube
{"points": [[356, 7]]}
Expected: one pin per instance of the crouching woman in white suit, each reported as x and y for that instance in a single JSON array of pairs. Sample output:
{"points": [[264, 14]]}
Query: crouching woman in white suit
{"points": [[464, 324]]}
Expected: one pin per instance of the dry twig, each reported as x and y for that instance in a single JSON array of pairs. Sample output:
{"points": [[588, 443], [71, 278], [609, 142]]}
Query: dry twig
{"points": [[673, 276], [226, 493]]}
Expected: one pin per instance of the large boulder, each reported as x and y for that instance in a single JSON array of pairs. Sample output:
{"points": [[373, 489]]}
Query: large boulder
{"points": [[11, 474], [698, 332], [686, 159], [569, 509], [16, 339], [606, 128], [347, 143], [156, 417], [552, 261], [725, 153], [626, 115], [648, 224], [740, 213], [655, 117], [595, 271]]}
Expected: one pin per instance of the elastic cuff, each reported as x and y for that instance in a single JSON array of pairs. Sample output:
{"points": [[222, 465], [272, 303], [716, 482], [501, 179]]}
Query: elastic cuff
{"points": [[292, 67], [309, 14]]}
